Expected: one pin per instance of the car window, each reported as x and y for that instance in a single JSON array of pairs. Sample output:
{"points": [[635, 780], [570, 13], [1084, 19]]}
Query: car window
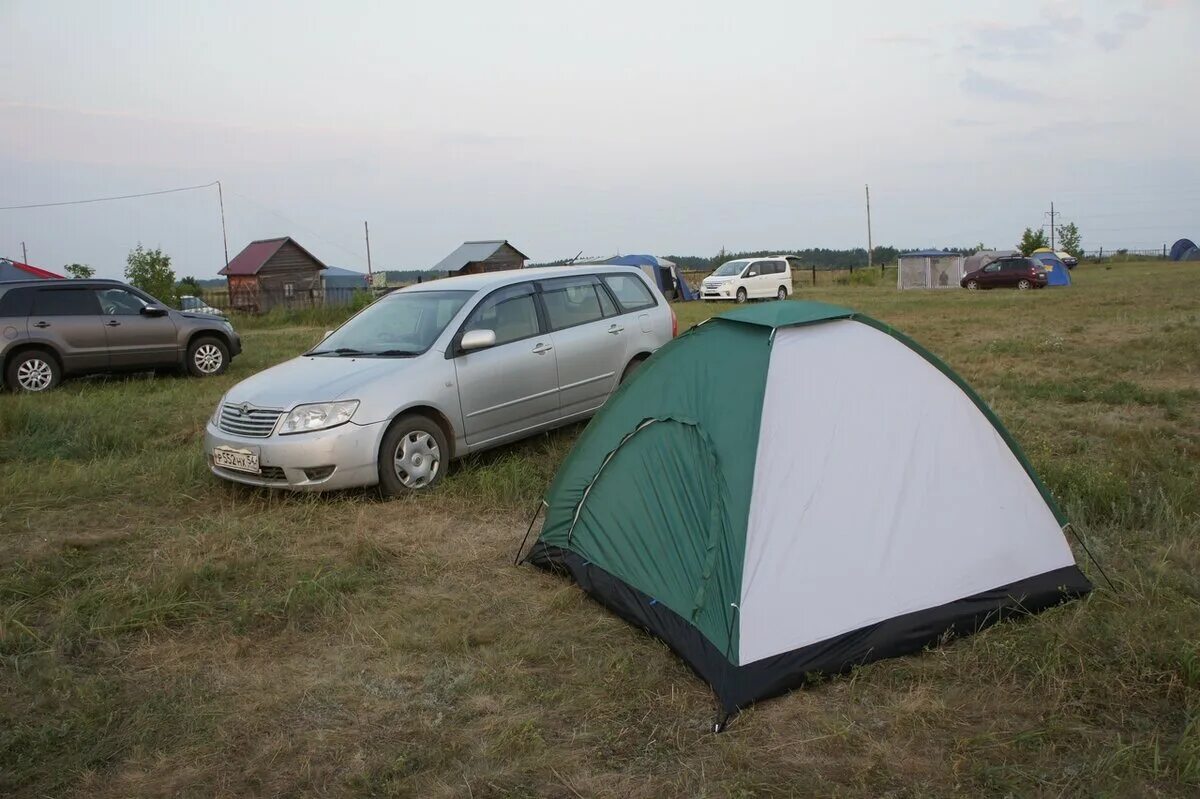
{"points": [[992, 267], [188, 303], [119, 302], [509, 313], [606, 304], [66, 302], [571, 305], [16, 302], [630, 291]]}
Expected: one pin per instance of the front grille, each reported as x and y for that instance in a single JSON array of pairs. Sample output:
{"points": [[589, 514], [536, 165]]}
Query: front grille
{"points": [[245, 420]]}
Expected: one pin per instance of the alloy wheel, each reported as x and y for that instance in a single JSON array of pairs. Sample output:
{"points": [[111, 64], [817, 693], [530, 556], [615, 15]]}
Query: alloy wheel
{"points": [[417, 459], [1024, 284], [35, 374], [207, 358], [972, 285]]}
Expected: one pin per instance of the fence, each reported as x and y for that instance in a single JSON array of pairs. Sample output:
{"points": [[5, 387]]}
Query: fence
{"points": [[263, 300], [1122, 254]]}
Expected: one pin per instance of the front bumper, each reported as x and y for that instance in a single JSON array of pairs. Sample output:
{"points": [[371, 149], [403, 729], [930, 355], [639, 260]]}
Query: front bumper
{"points": [[301, 462]]}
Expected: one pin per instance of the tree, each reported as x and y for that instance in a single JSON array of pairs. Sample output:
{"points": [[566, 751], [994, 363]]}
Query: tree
{"points": [[150, 271], [1031, 241], [189, 285], [1069, 238], [79, 271]]}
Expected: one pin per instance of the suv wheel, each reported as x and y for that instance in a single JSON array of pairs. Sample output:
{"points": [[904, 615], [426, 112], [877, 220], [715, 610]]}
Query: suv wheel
{"points": [[207, 356], [972, 284], [33, 370], [413, 456], [741, 296], [782, 293], [1024, 284]]}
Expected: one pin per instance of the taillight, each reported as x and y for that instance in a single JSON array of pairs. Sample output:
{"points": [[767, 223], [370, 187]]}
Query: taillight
{"points": [[674, 324]]}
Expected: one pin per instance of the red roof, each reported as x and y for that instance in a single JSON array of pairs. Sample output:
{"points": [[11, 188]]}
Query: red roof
{"points": [[36, 271], [257, 253]]}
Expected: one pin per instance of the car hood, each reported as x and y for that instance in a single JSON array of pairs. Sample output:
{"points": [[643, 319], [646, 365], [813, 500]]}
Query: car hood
{"points": [[317, 378], [719, 279], [202, 316]]}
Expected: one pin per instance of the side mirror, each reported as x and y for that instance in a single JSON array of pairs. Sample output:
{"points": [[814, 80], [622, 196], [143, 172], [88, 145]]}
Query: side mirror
{"points": [[478, 340], [154, 310], [326, 334], [752, 274]]}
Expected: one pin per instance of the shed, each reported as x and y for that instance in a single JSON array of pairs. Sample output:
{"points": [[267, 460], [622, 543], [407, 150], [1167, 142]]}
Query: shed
{"points": [[473, 257], [274, 273], [341, 285], [15, 270], [929, 269]]}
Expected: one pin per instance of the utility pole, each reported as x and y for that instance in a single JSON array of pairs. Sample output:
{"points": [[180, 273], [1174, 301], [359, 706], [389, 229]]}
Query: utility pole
{"points": [[224, 238], [367, 234], [870, 247], [24, 254], [1052, 215]]}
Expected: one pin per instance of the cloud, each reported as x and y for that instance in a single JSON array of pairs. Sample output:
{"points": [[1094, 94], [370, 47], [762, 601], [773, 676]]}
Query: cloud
{"points": [[900, 38], [977, 83], [1126, 23]]}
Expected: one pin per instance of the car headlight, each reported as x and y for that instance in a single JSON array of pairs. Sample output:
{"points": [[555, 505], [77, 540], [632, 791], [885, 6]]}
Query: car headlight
{"points": [[318, 416]]}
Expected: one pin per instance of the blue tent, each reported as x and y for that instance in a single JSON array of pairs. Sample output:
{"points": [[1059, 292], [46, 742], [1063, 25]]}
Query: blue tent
{"points": [[1185, 250], [1057, 273], [665, 273]]}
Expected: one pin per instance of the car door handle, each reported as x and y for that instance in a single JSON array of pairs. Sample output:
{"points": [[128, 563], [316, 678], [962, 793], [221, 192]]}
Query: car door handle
{"points": [[113, 323], [542, 349], [615, 329], [41, 324]]}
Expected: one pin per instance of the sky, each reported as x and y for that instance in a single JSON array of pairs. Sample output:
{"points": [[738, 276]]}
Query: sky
{"points": [[661, 127]]}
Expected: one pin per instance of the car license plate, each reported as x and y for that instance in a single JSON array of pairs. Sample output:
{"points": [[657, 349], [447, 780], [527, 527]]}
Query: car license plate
{"points": [[239, 460]]}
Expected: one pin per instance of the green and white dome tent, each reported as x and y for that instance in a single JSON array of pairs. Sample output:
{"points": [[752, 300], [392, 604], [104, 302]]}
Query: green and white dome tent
{"points": [[792, 489]]}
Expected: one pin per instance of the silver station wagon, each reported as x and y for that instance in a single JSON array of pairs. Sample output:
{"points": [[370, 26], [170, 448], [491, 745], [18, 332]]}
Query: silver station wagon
{"points": [[438, 370]]}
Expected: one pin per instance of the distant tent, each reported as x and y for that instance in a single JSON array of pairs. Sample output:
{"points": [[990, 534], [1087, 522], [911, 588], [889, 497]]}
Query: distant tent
{"points": [[717, 500], [1185, 250], [664, 273], [929, 269], [984, 257], [15, 270], [1057, 273]]}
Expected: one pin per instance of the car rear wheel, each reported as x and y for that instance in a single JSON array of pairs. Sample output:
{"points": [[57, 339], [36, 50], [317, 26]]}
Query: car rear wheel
{"points": [[1024, 284], [33, 370], [413, 456], [207, 357], [782, 293], [741, 296], [973, 285]]}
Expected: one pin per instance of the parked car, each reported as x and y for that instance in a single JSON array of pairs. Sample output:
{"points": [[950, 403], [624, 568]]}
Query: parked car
{"points": [[1021, 273], [51, 329], [435, 371], [749, 278], [196, 305], [1068, 260]]}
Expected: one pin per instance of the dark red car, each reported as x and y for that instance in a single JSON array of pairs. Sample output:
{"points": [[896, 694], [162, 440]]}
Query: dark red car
{"points": [[1021, 273]]}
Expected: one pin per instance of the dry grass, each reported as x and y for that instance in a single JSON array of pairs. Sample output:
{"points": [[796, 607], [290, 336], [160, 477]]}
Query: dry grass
{"points": [[164, 634]]}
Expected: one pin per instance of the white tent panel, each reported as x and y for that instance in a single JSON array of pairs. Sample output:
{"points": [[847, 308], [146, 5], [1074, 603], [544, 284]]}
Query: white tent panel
{"points": [[869, 504]]}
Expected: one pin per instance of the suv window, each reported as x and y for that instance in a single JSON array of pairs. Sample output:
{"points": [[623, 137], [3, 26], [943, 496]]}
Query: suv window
{"points": [[995, 267], [120, 302], [16, 302], [570, 303], [65, 302], [630, 291], [510, 313]]}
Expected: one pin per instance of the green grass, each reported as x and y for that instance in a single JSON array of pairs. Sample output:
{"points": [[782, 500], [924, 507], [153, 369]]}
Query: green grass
{"points": [[166, 634]]}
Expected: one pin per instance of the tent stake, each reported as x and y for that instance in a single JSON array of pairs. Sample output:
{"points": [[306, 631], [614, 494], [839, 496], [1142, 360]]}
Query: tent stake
{"points": [[517, 558]]}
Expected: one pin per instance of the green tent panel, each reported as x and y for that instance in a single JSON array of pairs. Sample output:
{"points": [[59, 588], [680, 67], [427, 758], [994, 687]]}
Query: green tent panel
{"points": [[779, 493]]}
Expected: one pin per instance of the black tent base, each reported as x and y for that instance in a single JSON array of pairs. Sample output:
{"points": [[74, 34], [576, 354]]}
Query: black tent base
{"points": [[737, 687]]}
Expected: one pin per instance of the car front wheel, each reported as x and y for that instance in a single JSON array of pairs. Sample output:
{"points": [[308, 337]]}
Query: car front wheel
{"points": [[33, 370], [973, 285], [741, 296], [207, 356], [413, 456], [1024, 284]]}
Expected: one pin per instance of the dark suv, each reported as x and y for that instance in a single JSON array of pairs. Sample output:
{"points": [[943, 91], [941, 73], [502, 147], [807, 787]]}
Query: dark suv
{"points": [[53, 328], [1021, 273]]}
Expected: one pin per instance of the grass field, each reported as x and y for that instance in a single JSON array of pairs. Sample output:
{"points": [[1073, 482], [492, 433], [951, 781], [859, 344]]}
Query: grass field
{"points": [[166, 634]]}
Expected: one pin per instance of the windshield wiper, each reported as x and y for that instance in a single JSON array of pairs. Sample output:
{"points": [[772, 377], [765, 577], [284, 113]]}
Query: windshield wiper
{"points": [[338, 351], [396, 353]]}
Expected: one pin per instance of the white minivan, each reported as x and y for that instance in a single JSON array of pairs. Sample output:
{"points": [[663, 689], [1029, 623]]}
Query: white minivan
{"points": [[749, 279]]}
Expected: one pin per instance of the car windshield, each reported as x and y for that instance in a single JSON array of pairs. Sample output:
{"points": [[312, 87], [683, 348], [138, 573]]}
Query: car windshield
{"points": [[188, 303], [731, 268], [400, 325]]}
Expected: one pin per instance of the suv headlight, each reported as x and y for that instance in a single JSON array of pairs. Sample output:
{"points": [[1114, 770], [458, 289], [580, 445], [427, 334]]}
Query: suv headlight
{"points": [[318, 416]]}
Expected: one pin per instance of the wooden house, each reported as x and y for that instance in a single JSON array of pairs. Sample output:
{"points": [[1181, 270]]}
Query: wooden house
{"points": [[473, 257], [274, 273]]}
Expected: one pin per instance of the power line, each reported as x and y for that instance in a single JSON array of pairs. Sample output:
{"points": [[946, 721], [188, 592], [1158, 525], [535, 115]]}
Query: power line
{"points": [[107, 199]]}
